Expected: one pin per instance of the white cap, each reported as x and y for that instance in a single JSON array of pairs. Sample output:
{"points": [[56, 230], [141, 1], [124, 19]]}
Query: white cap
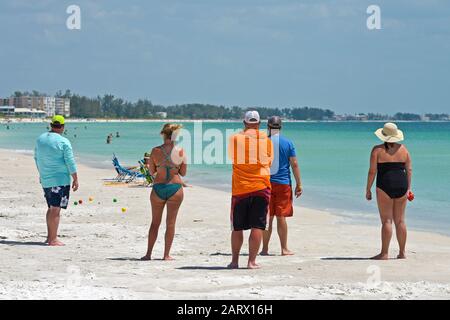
{"points": [[251, 117]]}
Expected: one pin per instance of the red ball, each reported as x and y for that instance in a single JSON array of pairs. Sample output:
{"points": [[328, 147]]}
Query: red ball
{"points": [[410, 196], [80, 202]]}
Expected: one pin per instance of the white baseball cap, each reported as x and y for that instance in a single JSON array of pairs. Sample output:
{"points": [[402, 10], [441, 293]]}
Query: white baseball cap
{"points": [[251, 117]]}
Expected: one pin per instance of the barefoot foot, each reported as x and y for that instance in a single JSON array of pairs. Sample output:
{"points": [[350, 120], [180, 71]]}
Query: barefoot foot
{"points": [[381, 256], [401, 256], [147, 257], [286, 252], [56, 243], [253, 265], [233, 266], [264, 253], [168, 258]]}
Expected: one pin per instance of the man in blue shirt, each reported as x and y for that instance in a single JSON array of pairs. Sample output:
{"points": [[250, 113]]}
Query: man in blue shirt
{"points": [[281, 197], [55, 162]]}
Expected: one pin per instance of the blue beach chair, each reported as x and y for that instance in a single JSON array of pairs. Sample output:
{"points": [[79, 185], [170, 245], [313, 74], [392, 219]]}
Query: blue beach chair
{"points": [[125, 174]]}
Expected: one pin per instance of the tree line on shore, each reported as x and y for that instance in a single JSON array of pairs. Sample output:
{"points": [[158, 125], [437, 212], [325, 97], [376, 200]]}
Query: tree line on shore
{"points": [[109, 106]]}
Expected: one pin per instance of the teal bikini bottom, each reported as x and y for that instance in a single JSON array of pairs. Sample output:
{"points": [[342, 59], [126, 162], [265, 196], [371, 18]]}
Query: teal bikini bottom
{"points": [[166, 191]]}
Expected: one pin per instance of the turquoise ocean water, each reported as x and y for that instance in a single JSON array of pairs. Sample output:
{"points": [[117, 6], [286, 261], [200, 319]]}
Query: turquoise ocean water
{"points": [[333, 159]]}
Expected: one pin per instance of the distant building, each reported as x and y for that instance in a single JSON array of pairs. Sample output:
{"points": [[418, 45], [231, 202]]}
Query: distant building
{"points": [[29, 102], [62, 106], [338, 117], [162, 115], [31, 113], [47, 104], [7, 110], [347, 117], [5, 102], [50, 105], [362, 117]]}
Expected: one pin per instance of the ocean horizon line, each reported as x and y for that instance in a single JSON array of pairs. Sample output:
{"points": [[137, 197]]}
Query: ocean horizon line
{"points": [[218, 120]]}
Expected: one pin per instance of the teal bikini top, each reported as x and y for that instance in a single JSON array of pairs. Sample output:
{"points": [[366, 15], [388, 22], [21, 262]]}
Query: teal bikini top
{"points": [[168, 160]]}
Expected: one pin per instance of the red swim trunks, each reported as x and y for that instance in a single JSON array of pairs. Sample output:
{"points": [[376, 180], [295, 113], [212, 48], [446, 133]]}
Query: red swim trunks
{"points": [[281, 200]]}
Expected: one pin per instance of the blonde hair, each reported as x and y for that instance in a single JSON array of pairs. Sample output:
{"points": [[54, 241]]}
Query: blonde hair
{"points": [[169, 129]]}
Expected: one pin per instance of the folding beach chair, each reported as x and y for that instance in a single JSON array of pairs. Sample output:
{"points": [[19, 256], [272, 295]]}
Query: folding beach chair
{"points": [[120, 174], [126, 174]]}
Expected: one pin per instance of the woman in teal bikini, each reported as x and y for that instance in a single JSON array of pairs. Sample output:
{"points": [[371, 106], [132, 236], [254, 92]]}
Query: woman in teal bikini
{"points": [[167, 163]]}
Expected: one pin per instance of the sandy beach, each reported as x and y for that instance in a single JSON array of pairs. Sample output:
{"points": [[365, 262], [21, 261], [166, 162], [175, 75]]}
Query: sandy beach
{"points": [[103, 247]]}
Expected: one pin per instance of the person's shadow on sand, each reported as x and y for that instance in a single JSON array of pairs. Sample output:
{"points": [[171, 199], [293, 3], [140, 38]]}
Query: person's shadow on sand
{"points": [[212, 268], [226, 254], [124, 259], [344, 258], [22, 243], [133, 259]]}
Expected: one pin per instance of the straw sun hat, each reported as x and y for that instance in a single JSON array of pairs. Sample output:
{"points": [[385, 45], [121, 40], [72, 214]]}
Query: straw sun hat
{"points": [[389, 133]]}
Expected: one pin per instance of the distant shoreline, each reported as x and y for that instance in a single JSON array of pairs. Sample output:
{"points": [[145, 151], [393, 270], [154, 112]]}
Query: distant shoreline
{"points": [[80, 120]]}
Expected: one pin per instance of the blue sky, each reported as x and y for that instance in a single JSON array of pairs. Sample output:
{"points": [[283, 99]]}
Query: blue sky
{"points": [[274, 53]]}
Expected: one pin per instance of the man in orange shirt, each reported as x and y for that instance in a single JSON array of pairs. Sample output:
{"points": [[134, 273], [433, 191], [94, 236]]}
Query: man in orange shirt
{"points": [[251, 152]]}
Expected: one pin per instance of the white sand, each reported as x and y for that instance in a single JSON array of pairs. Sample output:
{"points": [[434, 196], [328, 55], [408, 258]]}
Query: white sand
{"points": [[100, 260]]}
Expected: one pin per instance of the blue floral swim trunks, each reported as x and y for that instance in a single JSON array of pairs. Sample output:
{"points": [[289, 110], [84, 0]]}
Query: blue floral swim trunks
{"points": [[57, 196]]}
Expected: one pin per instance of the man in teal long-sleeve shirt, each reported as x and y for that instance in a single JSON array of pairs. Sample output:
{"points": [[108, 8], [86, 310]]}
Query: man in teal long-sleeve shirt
{"points": [[55, 162]]}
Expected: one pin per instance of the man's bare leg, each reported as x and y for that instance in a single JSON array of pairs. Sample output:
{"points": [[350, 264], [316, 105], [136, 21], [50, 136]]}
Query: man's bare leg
{"points": [[282, 229], [266, 238], [47, 216], [53, 217], [254, 243], [237, 239]]}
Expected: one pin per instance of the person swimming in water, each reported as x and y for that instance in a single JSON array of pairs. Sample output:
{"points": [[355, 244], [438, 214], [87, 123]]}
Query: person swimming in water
{"points": [[167, 163], [390, 163]]}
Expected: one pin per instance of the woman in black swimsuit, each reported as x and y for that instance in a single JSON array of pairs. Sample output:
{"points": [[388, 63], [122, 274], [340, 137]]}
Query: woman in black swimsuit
{"points": [[390, 164]]}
